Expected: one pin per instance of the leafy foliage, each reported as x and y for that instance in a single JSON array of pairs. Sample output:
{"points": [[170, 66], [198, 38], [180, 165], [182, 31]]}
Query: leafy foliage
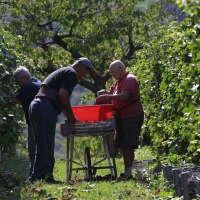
{"points": [[169, 72], [11, 118], [62, 31]]}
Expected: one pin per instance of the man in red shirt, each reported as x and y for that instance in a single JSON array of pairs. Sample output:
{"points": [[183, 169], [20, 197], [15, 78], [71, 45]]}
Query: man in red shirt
{"points": [[129, 113]]}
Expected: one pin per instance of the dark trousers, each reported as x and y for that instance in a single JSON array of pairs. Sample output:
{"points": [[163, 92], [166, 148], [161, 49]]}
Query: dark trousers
{"points": [[31, 148], [43, 119], [128, 131]]}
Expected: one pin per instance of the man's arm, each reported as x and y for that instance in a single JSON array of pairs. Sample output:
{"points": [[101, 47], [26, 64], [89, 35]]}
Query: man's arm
{"points": [[13, 100], [113, 97], [66, 105], [103, 91], [119, 97]]}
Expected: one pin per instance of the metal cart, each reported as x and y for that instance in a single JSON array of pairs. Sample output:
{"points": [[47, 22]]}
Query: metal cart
{"points": [[85, 129]]}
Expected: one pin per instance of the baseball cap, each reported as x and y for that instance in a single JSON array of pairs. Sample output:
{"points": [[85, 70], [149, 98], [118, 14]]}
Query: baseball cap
{"points": [[86, 62]]}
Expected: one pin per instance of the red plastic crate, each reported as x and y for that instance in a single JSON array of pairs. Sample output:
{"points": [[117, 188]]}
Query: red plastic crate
{"points": [[93, 112]]}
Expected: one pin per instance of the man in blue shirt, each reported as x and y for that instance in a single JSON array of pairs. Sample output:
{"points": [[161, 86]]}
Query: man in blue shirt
{"points": [[29, 87]]}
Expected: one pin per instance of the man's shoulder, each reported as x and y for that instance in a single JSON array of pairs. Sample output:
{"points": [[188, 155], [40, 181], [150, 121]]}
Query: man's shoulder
{"points": [[34, 82], [66, 68], [33, 79], [130, 75], [65, 71], [131, 78]]}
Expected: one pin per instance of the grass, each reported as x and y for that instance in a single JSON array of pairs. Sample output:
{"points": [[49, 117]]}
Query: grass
{"points": [[78, 188]]}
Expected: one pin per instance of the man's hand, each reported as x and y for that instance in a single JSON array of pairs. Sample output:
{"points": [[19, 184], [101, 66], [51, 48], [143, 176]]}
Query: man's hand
{"points": [[71, 119], [65, 103], [101, 99], [14, 101], [100, 92]]}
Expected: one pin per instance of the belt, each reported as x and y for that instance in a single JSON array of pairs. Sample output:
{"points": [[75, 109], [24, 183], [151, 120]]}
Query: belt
{"points": [[45, 90], [45, 100]]}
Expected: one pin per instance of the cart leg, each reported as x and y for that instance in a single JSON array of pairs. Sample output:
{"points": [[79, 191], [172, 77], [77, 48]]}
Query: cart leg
{"points": [[67, 161], [71, 157], [112, 153], [108, 155], [88, 162], [70, 148], [112, 165]]}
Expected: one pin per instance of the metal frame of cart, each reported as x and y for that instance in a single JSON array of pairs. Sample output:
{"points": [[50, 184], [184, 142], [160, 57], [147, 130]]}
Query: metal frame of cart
{"points": [[104, 129]]}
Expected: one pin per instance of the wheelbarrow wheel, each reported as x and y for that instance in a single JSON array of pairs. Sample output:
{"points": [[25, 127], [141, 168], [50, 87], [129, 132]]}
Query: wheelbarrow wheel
{"points": [[88, 162]]}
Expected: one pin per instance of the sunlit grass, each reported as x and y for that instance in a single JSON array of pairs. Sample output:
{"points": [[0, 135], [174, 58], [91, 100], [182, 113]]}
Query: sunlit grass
{"points": [[78, 187], [112, 190]]}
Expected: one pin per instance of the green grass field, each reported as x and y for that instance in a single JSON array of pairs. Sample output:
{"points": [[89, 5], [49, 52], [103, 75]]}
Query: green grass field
{"points": [[15, 188]]}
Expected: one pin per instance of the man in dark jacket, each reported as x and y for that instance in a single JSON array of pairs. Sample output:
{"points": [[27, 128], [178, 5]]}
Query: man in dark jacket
{"points": [[29, 87], [52, 99]]}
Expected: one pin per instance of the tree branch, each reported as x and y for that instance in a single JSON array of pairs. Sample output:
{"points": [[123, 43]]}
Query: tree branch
{"points": [[45, 24], [132, 48]]}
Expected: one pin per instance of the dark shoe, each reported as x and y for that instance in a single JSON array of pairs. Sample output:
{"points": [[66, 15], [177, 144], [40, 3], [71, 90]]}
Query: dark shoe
{"points": [[123, 177], [52, 181]]}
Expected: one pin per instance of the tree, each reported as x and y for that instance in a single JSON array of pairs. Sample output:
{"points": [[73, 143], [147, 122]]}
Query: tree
{"points": [[169, 71], [56, 32]]}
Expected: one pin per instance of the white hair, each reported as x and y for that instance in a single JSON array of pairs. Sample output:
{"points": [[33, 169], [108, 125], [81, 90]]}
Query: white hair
{"points": [[21, 71]]}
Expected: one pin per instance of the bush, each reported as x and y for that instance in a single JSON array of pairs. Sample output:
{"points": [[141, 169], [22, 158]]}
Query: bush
{"points": [[11, 118]]}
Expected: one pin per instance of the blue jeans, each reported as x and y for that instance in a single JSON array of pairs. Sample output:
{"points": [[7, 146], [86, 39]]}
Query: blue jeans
{"points": [[31, 148], [43, 119]]}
